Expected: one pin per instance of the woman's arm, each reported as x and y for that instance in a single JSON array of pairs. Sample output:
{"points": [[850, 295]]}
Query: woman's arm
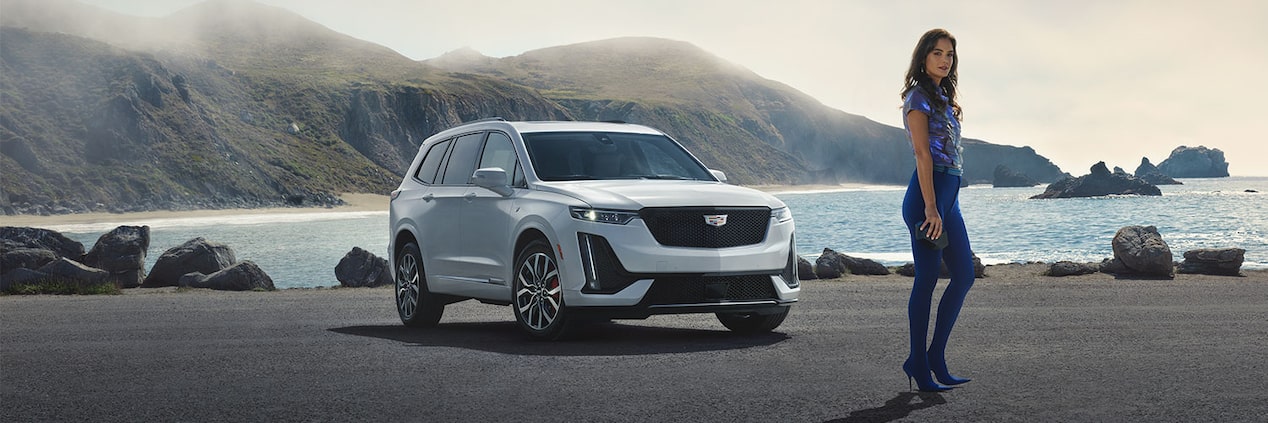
{"points": [[918, 123]]}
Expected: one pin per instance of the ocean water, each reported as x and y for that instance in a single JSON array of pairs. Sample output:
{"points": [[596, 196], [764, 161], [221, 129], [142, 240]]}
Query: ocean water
{"points": [[302, 249]]}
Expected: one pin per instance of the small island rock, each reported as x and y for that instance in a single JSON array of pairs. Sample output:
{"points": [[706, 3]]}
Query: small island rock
{"points": [[1099, 183], [1195, 162]]}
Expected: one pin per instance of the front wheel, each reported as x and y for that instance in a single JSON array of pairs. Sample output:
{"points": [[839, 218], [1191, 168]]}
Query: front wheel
{"points": [[752, 322], [539, 296], [417, 306]]}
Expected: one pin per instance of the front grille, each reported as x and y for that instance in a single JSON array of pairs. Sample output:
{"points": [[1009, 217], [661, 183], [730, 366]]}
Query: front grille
{"points": [[688, 227], [706, 289]]}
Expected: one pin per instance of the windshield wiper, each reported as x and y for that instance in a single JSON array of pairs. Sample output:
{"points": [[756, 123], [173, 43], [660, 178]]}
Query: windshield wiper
{"points": [[663, 176]]}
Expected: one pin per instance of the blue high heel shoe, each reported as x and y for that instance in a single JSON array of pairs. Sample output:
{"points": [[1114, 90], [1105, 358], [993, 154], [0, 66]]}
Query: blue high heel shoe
{"points": [[940, 372], [925, 383]]}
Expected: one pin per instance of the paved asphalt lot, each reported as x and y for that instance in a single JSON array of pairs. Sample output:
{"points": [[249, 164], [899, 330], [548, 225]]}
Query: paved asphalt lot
{"points": [[1038, 349]]}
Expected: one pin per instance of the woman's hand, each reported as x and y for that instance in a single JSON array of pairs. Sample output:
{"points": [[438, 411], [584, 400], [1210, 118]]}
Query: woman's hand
{"points": [[933, 223]]}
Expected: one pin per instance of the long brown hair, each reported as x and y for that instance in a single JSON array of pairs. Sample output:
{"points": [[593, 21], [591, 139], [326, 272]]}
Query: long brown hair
{"points": [[916, 72]]}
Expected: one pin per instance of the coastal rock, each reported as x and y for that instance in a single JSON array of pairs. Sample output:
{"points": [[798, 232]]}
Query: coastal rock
{"points": [[196, 255], [26, 258], [14, 237], [1207, 261], [1142, 250], [909, 269], [1068, 268], [122, 253], [19, 276], [1198, 162], [244, 276], [1150, 173], [1098, 183], [1006, 178], [837, 264], [805, 270], [70, 271], [361, 268]]}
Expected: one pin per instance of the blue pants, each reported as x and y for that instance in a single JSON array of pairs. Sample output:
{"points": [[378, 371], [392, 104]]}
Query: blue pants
{"points": [[959, 258]]}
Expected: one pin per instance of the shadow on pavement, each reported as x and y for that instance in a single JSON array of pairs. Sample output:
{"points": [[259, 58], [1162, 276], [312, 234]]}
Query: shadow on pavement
{"points": [[609, 339], [894, 409]]}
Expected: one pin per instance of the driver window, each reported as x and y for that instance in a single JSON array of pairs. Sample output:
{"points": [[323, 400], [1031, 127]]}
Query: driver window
{"points": [[498, 152]]}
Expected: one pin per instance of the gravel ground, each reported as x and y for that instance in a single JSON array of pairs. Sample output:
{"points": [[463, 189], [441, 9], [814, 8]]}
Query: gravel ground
{"points": [[1084, 348]]}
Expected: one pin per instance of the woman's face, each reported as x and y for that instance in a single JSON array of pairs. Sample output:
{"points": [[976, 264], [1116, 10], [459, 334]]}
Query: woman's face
{"points": [[938, 62]]}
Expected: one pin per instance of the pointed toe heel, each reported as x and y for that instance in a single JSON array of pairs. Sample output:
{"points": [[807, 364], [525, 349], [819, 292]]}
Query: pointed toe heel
{"points": [[924, 382]]}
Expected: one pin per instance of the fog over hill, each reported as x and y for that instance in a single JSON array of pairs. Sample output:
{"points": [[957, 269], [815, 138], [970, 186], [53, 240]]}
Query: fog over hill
{"points": [[233, 103]]}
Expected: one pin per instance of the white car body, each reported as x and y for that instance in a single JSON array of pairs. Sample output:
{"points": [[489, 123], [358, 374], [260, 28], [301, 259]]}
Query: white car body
{"points": [[470, 233]]}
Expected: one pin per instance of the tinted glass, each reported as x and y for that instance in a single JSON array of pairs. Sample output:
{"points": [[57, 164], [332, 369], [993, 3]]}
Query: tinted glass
{"points": [[570, 156], [462, 161], [431, 162], [498, 152]]}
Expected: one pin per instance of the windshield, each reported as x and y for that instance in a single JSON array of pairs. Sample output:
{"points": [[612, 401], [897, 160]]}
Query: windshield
{"points": [[573, 156]]}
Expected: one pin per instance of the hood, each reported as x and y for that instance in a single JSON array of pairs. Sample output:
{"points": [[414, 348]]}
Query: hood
{"points": [[626, 194]]}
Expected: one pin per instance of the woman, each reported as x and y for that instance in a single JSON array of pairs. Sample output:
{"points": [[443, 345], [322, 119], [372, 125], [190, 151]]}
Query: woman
{"points": [[932, 118]]}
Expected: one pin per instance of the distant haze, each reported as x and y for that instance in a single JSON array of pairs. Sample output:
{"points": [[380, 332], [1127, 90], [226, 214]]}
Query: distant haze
{"points": [[1080, 81]]}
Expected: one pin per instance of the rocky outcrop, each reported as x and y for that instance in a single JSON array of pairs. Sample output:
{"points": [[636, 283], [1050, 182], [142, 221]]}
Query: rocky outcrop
{"points": [[1099, 183], [121, 252], [1140, 251], [244, 276], [1222, 261], [805, 270], [1150, 173], [1068, 268], [14, 237], [909, 269], [1007, 178], [831, 265], [196, 255], [1195, 162], [360, 268]]}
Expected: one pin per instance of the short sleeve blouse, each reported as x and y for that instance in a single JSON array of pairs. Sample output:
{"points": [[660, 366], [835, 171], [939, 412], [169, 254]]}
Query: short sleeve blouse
{"points": [[944, 128]]}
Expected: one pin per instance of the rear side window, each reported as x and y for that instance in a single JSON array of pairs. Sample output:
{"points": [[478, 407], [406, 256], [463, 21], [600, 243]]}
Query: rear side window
{"points": [[462, 161], [431, 162]]}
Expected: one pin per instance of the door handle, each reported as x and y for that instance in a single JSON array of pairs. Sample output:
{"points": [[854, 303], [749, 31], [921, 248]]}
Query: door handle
{"points": [[428, 197], [470, 196]]}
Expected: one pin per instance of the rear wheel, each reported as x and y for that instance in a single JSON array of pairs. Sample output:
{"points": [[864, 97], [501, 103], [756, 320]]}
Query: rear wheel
{"points": [[752, 322], [417, 306], [539, 300]]}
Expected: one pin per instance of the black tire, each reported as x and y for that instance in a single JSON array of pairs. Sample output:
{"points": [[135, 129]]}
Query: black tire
{"points": [[752, 322], [415, 303], [538, 301]]}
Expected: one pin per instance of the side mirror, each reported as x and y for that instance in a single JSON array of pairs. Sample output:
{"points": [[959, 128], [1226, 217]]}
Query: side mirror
{"points": [[493, 179], [719, 175]]}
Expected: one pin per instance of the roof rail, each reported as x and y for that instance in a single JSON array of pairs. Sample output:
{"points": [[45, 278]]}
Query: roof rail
{"points": [[488, 119], [614, 121]]}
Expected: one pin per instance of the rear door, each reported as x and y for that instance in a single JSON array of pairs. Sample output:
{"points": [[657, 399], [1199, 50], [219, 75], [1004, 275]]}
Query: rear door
{"points": [[443, 235]]}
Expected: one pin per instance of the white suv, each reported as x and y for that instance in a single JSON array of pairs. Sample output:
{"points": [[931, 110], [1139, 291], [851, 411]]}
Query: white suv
{"points": [[575, 221]]}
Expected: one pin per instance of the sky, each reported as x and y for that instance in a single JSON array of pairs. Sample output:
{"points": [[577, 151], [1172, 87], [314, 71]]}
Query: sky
{"points": [[1079, 81]]}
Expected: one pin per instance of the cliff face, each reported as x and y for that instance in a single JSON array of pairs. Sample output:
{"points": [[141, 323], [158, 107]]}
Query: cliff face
{"points": [[233, 104]]}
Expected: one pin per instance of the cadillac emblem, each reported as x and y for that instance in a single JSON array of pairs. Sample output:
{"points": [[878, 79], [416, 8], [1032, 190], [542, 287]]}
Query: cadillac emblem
{"points": [[715, 219]]}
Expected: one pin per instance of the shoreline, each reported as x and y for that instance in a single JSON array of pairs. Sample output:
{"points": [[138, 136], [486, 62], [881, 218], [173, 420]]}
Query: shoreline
{"points": [[354, 202]]}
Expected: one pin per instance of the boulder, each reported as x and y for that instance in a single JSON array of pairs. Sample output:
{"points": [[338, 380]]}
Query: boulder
{"points": [[1207, 261], [26, 258], [1144, 253], [829, 265], [19, 276], [909, 269], [14, 237], [70, 271], [1150, 173], [1198, 162], [838, 264], [244, 276], [361, 268], [1068, 268], [122, 253], [1005, 177], [1098, 183], [805, 270], [196, 255]]}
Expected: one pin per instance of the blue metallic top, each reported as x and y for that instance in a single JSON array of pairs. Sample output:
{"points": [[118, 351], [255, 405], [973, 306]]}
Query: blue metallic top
{"points": [[944, 130]]}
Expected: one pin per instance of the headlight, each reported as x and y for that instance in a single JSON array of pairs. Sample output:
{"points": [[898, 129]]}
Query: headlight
{"points": [[618, 217], [781, 214]]}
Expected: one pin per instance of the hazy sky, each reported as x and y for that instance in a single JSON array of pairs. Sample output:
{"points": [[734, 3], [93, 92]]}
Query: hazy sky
{"points": [[1079, 81]]}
